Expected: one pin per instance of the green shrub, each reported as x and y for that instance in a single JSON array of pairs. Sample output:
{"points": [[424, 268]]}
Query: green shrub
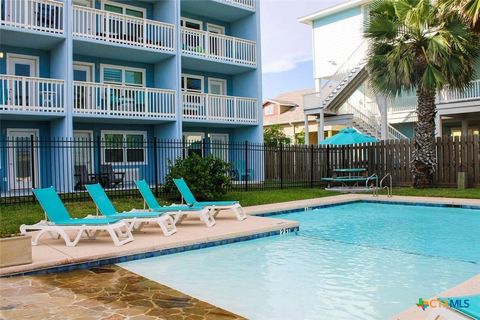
{"points": [[207, 177]]}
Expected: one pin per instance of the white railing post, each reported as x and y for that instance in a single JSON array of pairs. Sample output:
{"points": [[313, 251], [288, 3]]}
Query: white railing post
{"points": [[145, 33]]}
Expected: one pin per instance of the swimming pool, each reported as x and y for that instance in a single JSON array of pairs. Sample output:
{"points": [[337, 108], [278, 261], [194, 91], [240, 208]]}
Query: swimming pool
{"points": [[358, 260]]}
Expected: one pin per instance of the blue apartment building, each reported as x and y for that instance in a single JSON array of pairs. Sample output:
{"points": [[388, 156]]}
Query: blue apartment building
{"points": [[124, 70]]}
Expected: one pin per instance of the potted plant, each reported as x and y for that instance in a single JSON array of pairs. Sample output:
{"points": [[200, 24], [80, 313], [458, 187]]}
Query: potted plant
{"points": [[15, 249]]}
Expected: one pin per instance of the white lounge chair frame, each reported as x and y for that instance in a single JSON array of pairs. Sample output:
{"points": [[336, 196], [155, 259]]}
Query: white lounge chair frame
{"points": [[91, 231]]}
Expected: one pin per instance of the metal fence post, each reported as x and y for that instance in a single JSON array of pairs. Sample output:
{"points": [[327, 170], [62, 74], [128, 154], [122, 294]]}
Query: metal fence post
{"points": [[281, 165], [246, 165], [32, 154], [155, 164], [99, 157]]}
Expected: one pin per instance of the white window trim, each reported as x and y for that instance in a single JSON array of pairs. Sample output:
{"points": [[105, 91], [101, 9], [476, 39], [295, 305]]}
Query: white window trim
{"points": [[200, 23], [125, 6], [124, 133], [11, 56], [86, 64], [202, 134], [184, 78], [123, 68], [215, 26], [83, 3], [224, 81]]}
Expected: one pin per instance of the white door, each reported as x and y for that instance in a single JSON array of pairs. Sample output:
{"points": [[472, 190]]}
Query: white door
{"points": [[83, 94], [219, 145], [22, 160], [22, 92], [217, 44], [83, 150]]}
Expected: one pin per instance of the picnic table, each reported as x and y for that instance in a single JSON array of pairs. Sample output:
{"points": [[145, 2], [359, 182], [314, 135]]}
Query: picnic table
{"points": [[349, 177]]}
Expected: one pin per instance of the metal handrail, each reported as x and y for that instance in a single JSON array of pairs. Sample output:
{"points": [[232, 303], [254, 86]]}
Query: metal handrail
{"points": [[375, 189], [389, 188]]}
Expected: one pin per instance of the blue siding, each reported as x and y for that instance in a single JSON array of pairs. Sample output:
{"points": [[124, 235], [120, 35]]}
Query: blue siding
{"points": [[43, 55], [337, 17]]}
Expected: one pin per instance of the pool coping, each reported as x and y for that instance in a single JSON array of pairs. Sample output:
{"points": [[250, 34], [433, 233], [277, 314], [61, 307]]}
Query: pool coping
{"points": [[260, 210]]}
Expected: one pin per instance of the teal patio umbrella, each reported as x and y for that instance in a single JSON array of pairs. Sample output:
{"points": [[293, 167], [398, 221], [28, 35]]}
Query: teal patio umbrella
{"points": [[348, 136]]}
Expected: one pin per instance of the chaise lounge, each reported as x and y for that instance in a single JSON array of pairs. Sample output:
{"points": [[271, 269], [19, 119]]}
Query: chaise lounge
{"points": [[182, 211], [61, 222], [214, 206]]}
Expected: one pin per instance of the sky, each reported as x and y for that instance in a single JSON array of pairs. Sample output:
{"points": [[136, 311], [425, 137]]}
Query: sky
{"points": [[287, 44]]}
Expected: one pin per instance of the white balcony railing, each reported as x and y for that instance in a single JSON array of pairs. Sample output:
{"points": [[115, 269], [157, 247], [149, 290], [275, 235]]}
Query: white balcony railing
{"points": [[40, 15], [31, 94], [219, 47], [123, 101], [212, 107], [249, 4], [471, 92], [118, 28]]}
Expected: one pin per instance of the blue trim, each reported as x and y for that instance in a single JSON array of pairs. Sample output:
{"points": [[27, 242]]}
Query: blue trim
{"points": [[143, 255]]}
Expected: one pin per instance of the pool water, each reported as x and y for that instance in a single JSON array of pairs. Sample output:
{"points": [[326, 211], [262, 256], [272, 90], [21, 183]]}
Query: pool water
{"points": [[352, 261]]}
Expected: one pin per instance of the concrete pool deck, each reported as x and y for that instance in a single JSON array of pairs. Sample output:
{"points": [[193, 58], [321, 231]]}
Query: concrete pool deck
{"points": [[53, 253]]}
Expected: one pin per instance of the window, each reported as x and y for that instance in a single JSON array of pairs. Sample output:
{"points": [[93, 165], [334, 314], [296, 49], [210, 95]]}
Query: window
{"points": [[122, 75], [269, 110], [124, 147], [192, 83], [191, 23], [121, 8]]}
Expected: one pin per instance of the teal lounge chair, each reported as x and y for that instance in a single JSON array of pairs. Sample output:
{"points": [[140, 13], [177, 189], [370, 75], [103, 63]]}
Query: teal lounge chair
{"points": [[60, 222], [214, 206], [135, 219], [180, 211]]}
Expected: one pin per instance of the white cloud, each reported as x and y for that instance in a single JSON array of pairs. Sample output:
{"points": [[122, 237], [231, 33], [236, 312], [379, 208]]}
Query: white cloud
{"points": [[283, 64]]}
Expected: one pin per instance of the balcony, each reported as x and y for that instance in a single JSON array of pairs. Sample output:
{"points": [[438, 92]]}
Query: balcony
{"points": [[94, 24], [110, 100], [39, 15], [469, 93], [218, 108], [19, 95], [246, 4], [218, 47]]}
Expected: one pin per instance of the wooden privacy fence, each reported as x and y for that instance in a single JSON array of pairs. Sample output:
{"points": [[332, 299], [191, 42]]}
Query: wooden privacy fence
{"points": [[300, 165]]}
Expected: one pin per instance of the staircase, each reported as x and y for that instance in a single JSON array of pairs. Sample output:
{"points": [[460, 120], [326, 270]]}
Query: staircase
{"points": [[343, 84]]}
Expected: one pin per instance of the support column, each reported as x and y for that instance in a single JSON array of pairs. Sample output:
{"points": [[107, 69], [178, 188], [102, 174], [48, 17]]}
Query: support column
{"points": [[382, 108], [464, 128], [321, 127], [438, 125], [307, 140]]}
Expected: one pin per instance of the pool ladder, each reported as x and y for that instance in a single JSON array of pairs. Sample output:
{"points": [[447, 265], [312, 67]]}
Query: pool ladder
{"points": [[389, 186], [377, 188]]}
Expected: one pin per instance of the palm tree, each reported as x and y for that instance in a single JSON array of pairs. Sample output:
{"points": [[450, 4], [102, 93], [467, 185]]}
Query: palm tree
{"points": [[469, 11], [414, 48]]}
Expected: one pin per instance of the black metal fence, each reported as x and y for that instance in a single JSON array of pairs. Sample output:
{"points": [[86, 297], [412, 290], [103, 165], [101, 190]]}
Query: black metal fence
{"points": [[116, 162]]}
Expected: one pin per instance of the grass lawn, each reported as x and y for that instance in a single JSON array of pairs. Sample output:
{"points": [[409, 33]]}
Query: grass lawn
{"points": [[12, 216]]}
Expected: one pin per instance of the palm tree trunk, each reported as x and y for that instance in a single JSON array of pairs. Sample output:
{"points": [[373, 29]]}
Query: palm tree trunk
{"points": [[424, 158]]}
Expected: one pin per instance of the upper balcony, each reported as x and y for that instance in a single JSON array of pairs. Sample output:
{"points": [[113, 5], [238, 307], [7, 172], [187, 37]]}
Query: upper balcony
{"points": [[31, 95], [37, 23], [103, 100], [222, 10], [219, 48], [107, 28], [213, 108]]}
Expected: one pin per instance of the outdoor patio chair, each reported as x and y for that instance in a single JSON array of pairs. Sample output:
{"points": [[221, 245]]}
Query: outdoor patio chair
{"points": [[111, 178], [214, 206], [81, 176], [180, 211], [135, 219], [60, 222]]}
